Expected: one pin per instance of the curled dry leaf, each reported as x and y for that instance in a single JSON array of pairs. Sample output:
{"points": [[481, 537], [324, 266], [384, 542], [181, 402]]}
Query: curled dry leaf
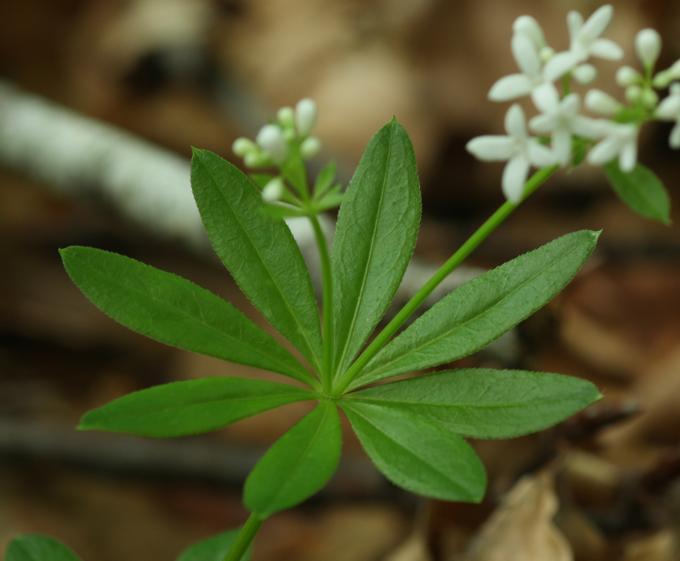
{"points": [[522, 527]]}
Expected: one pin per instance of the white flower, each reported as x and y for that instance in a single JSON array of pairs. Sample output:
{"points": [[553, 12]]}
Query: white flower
{"points": [[272, 141], [602, 103], [560, 118], [619, 140], [273, 190], [669, 110], [585, 41], [527, 57], [648, 47], [305, 116], [517, 148]]}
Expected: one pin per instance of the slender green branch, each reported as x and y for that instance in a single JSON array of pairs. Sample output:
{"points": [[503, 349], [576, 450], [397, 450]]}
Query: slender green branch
{"points": [[327, 304], [244, 539], [497, 218]]}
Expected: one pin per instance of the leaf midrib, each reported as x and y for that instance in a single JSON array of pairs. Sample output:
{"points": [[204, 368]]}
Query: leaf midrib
{"points": [[360, 298], [289, 309], [385, 366]]}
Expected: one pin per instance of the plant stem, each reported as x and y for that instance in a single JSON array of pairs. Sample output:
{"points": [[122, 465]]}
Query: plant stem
{"points": [[244, 538], [327, 304], [483, 232]]}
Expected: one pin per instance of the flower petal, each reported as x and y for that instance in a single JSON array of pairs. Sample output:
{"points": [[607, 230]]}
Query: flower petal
{"points": [[525, 55], [543, 124], [574, 24], [540, 155], [491, 148], [510, 87], [604, 152], [515, 124], [514, 178], [669, 108], [628, 157], [674, 139], [606, 49], [559, 65], [526, 25], [589, 128], [545, 98], [598, 22], [561, 145]]}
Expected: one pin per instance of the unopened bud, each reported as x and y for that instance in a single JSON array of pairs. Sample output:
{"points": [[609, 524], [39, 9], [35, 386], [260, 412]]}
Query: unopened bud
{"points": [[600, 102], [627, 76], [271, 140], [273, 190], [310, 147], [305, 116], [286, 117], [256, 159], [243, 146], [649, 98], [648, 46], [633, 93], [585, 73]]}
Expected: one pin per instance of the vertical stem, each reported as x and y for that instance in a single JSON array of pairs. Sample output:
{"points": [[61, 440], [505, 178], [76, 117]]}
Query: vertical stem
{"points": [[327, 304], [244, 539], [483, 232]]}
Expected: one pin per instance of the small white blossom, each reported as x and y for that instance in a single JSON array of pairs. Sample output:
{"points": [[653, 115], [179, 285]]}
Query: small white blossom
{"points": [[669, 110], [648, 47], [585, 41], [627, 76], [272, 141], [520, 151], [585, 73], [305, 116], [602, 103], [620, 140], [526, 55], [310, 147], [273, 190], [560, 118], [286, 117], [242, 146]]}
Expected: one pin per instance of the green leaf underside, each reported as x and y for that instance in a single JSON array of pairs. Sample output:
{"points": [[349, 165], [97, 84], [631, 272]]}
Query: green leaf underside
{"points": [[258, 250], [174, 311], [416, 453], [190, 407], [486, 403], [482, 309], [297, 465], [641, 190], [214, 548], [375, 237], [34, 547]]}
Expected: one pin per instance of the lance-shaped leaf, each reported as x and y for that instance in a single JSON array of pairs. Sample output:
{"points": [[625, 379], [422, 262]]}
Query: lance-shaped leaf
{"points": [[375, 236], [298, 464], [641, 190], [34, 547], [173, 310], [417, 453], [258, 250], [486, 403], [483, 309], [212, 549], [190, 407]]}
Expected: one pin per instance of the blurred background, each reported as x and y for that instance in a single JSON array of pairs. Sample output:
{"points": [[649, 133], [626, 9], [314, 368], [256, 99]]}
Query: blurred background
{"points": [[100, 101]]}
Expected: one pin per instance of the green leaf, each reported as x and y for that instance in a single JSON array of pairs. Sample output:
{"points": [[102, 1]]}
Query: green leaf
{"points": [[34, 547], [417, 453], [641, 190], [298, 465], [324, 181], [259, 251], [486, 403], [375, 236], [190, 407], [482, 309], [212, 549], [173, 310]]}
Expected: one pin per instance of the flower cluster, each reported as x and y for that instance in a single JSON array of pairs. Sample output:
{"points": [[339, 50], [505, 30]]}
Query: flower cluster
{"points": [[288, 137], [560, 126]]}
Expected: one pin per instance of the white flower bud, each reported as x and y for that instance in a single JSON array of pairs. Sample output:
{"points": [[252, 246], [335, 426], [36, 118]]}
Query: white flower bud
{"points": [[649, 98], [271, 140], [286, 117], [273, 190], [305, 116], [526, 25], [663, 79], [627, 76], [585, 73], [633, 94], [648, 47], [310, 147], [600, 102], [256, 159], [243, 146]]}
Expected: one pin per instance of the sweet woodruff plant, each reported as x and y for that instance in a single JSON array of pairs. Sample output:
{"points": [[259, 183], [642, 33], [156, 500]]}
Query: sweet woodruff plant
{"points": [[334, 356]]}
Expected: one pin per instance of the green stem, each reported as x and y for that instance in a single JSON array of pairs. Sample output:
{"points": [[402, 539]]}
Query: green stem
{"points": [[244, 539], [483, 232], [327, 304]]}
